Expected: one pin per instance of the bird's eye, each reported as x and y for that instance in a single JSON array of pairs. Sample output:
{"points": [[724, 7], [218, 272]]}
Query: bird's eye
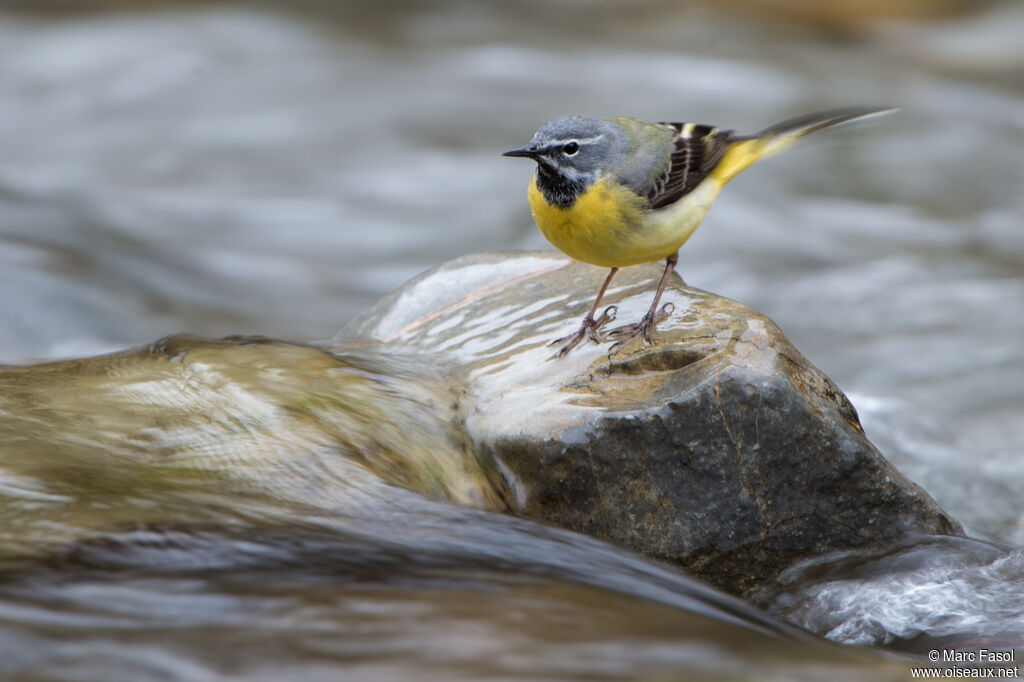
{"points": [[570, 148]]}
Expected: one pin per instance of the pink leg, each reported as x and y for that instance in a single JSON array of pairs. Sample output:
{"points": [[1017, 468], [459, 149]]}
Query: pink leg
{"points": [[653, 316], [588, 329]]}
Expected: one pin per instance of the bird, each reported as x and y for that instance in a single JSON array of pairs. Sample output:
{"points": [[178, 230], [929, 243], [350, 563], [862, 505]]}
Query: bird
{"points": [[623, 191]]}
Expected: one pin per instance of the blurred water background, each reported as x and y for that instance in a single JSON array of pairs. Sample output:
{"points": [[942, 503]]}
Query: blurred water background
{"points": [[274, 168]]}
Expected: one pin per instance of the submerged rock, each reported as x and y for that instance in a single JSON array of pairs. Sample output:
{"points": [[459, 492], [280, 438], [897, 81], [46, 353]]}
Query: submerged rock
{"points": [[719, 449], [191, 432]]}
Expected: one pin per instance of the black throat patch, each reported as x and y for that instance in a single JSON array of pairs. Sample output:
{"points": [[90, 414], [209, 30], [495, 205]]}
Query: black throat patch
{"points": [[557, 189]]}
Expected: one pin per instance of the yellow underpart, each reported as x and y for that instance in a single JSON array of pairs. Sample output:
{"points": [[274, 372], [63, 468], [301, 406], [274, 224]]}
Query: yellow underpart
{"points": [[600, 227], [610, 226]]}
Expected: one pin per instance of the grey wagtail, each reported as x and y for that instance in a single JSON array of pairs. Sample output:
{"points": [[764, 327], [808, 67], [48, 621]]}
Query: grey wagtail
{"points": [[624, 191]]}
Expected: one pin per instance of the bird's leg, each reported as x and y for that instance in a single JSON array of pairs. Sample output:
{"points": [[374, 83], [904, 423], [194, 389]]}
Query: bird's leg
{"points": [[653, 316], [588, 329]]}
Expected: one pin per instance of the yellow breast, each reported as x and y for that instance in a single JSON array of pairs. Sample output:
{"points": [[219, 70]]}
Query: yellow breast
{"points": [[611, 226]]}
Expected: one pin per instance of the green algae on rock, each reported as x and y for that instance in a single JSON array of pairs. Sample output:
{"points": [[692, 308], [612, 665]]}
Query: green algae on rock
{"points": [[190, 430]]}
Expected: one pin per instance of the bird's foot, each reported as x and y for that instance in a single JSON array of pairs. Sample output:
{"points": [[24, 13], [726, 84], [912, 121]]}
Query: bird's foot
{"points": [[588, 330], [642, 328]]}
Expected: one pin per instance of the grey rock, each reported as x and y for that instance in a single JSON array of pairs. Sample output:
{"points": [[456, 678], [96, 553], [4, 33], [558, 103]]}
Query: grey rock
{"points": [[719, 449]]}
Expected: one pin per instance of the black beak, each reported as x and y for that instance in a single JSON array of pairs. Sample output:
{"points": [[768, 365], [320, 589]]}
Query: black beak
{"points": [[528, 152]]}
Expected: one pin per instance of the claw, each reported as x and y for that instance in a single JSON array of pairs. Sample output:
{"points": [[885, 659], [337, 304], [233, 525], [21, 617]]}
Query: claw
{"points": [[642, 328], [588, 330], [607, 316]]}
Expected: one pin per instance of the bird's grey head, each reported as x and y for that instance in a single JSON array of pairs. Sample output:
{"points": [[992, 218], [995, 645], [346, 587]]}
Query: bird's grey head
{"points": [[570, 152]]}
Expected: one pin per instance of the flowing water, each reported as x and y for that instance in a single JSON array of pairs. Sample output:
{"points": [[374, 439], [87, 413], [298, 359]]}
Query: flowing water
{"points": [[224, 168]]}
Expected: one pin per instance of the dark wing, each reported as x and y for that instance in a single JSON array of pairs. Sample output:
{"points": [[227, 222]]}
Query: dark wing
{"points": [[699, 148]]}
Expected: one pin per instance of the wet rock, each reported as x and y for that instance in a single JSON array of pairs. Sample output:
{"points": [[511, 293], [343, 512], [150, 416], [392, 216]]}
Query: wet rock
{"points": [[719, 449], [196, 432]]}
